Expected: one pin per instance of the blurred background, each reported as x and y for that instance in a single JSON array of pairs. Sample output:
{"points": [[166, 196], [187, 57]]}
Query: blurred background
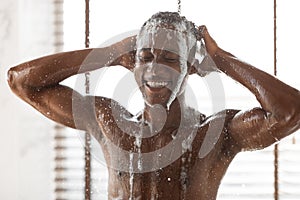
{"points": [[43, 160]]}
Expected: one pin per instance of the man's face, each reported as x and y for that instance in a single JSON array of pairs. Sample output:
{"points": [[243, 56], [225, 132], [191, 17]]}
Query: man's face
{"points": [[162, 61], [161, 66], [157, 73]]}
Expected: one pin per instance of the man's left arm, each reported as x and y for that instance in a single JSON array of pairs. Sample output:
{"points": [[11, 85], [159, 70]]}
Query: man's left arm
{"points": [[279, 115]]}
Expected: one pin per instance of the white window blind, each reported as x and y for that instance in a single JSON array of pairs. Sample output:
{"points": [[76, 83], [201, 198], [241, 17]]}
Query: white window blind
{"points": [[69, 144], [70, 165], [251, 174]]}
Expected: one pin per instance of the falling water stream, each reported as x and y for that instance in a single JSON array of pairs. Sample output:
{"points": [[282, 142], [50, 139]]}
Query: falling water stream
{"points": [[179, 6], [131, 175]]}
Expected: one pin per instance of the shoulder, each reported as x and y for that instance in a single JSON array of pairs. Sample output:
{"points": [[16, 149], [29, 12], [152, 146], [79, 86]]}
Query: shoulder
{"points": [[106, 110], [100, 114], [213, 134], [216, 122], [224, 116]]}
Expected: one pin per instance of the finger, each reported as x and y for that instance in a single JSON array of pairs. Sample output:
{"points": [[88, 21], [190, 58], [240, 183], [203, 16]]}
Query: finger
{"points": [[210, 43], [204, 33], [202, 30]]}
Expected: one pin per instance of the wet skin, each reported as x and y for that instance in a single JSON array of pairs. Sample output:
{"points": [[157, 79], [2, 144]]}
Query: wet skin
{"points": [[37, 83]]}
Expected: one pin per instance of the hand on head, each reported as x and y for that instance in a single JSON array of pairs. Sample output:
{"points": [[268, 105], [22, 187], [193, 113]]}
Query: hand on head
{"points": [[207, 48], [210, 44]]}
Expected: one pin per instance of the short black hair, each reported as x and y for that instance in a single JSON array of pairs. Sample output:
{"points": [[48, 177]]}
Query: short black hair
{"points": [[172, 18]]}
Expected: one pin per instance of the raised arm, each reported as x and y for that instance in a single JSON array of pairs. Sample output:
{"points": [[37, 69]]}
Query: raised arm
{"points": [[279, 114], [38, 81]]}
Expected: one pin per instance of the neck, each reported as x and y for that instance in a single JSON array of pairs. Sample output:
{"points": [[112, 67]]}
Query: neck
{"points": [[159, 116]]}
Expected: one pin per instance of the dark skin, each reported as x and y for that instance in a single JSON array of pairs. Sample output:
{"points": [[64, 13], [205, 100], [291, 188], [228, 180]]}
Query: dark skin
{"points": [[38, 83]]}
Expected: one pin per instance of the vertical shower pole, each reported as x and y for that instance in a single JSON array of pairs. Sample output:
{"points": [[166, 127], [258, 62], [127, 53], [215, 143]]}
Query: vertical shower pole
{"points": [[87, 91], [276, 152]]}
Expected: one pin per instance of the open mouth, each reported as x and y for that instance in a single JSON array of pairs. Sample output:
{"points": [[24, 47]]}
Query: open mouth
{"points": [[157, 84]]}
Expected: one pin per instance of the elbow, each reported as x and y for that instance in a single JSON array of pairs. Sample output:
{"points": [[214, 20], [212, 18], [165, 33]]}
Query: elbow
{"points": [[291, 117], [294, 112], [16, 81], [297, 114], [285, 118], [293, 123], [12, 75]]}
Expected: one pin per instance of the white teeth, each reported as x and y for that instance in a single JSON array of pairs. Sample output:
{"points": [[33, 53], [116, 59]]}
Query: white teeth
{"points": [[158, 84]]}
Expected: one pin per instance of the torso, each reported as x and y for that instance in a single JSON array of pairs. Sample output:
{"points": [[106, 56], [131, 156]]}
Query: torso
{"points": [[189, 171]]}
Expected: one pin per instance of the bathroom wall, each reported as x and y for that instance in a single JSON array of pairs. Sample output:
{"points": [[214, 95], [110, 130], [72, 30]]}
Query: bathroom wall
{"points": [[26, 32]]}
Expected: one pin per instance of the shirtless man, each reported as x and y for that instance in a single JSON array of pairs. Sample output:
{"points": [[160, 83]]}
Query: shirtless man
{"points": [[161, 57]]}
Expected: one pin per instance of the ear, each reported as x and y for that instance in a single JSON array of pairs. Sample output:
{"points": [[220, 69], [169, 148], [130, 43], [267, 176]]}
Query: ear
{"points": [[193, 67]]}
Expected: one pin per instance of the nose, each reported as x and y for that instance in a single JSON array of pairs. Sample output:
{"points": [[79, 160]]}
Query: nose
{"points": [[153, 68]]}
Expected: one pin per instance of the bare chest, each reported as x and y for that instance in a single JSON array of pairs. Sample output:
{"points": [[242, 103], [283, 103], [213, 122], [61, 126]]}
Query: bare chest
{"points": [[178, 181], [166, 165]]}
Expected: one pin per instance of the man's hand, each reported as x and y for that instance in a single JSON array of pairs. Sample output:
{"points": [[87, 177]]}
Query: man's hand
{"points": [[127, 60], [210, 44], [209, 49], [126, 50]]}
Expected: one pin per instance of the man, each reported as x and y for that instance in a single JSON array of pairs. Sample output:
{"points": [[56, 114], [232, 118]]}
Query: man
{"points": [[194, 151]]}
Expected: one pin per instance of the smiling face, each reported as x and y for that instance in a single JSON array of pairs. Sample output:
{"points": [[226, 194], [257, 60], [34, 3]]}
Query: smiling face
{"points": [[162, 64], [157, 72], [165, 50]]}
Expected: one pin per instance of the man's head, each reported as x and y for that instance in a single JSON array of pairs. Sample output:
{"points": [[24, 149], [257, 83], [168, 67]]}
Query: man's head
{"points": [[166, 46]]}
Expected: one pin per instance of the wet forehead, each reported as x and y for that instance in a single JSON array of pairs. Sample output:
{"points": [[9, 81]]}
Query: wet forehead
{"points": [[163, 39]]}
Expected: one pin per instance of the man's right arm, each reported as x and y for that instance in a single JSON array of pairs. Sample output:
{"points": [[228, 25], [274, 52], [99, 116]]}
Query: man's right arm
{"points": [[37, 81]]}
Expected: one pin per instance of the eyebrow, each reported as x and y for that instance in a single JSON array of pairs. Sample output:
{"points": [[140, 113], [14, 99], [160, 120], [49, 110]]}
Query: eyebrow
{"points": [[144, 49], [165, 51]]}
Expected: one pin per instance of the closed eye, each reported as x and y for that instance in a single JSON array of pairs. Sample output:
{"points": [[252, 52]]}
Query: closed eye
{"points": [[171, 60], [145, 58], [170, 57]]}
